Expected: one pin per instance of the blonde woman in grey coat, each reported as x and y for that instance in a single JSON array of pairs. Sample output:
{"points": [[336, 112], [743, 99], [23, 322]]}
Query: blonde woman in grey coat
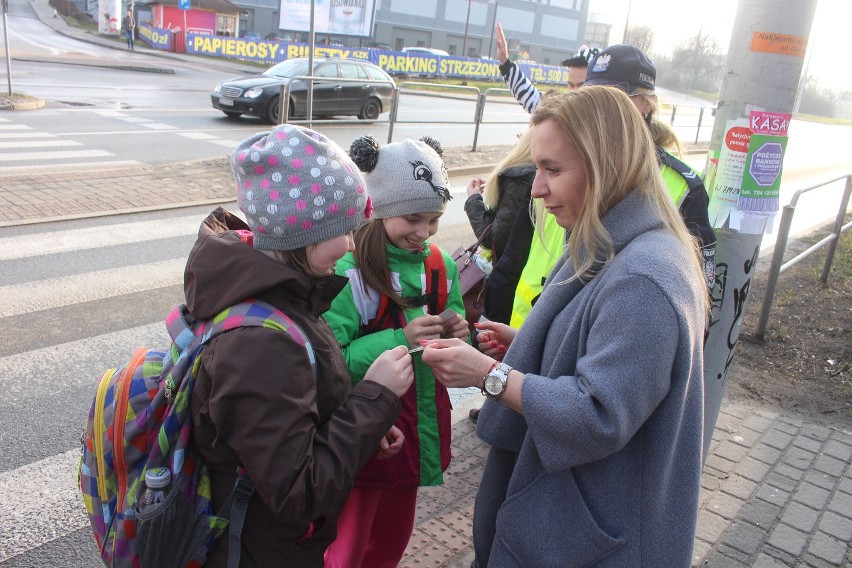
{"points": [[594, 416]]}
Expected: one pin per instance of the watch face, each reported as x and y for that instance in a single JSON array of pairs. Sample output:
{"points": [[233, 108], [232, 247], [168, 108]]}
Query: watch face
{"points": [[493, 385]]}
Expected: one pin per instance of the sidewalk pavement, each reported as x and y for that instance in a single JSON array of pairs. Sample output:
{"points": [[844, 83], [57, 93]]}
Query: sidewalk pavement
{"points": [[776, 488]]}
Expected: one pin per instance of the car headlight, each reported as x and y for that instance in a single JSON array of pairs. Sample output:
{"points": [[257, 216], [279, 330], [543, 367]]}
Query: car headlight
{"points": [[218, 88], [253, 93]]}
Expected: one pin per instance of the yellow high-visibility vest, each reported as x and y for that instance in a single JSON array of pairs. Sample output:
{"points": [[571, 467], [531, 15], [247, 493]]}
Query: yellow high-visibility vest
{"points": [[544, 252]]}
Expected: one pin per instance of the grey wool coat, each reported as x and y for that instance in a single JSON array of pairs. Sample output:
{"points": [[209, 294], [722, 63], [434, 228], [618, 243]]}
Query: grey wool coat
{"points": [[603, 468]]}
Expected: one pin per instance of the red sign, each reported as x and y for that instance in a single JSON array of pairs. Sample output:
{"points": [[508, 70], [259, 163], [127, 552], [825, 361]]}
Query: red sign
{"points": [[737, 138]]}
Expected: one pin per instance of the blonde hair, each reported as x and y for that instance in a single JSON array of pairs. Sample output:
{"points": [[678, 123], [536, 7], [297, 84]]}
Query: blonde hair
{"points": [[519, 155], [663, 134], [602, 124]]}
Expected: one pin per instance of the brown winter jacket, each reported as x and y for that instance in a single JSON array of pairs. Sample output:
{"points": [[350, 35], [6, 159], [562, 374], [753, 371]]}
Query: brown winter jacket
{"points": [[302, 438]]}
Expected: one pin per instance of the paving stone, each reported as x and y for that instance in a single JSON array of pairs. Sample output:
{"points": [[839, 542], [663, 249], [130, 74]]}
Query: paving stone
{"points": [[761, 513], [789, 471], [745, 537], [812, 496], [835, 525], [816, 432], [800, 517], [772, 494], [710, 526], [783, 424], [808, 443], [744, 437], [719, 463], [700, 550], [839, 450], [798, 458], [754, 469], [725, 505], [765, 453], [788, 539], [777, 439], [782, 481], [845, 484], [740, 487], [821, 479], [764, 561], [830, 465], [719, 560], [841, 503], [828, 548]]}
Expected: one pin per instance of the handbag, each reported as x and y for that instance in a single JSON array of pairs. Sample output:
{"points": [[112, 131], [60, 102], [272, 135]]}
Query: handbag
{"points": [[472, 280]]}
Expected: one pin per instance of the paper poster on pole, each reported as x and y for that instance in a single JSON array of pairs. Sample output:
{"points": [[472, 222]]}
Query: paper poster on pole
{"points": [[728, 175], [110, 16], [758, 202], [336, 17]]}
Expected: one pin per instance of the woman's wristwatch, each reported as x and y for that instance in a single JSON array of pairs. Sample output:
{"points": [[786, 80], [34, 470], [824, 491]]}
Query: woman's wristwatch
{"points": [[494, 383]]}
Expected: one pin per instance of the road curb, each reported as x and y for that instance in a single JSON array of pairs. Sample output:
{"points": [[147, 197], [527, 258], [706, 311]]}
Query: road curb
{"points": [[32, 103]]}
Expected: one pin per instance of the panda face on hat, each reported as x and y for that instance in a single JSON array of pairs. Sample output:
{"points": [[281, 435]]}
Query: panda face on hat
{"points": [[403, 178]]}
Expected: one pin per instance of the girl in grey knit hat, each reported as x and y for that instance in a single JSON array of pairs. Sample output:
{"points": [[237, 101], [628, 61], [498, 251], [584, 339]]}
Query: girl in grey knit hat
{"points": [[398, 284]]}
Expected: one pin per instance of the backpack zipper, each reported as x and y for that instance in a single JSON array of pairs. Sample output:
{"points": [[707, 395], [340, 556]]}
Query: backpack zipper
{"points": [[98, 434], [120, 419]]}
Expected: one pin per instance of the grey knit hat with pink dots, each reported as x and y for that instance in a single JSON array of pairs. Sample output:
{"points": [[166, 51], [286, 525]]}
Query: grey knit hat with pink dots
{"points": [[297, 188]]}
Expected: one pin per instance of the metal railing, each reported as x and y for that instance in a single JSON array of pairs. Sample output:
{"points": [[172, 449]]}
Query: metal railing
{"points": [[474, 93], [778, 265], [690, 121]]}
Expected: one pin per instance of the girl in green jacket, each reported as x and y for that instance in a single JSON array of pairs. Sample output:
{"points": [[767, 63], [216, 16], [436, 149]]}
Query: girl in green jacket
{"points": [[398, 285]]}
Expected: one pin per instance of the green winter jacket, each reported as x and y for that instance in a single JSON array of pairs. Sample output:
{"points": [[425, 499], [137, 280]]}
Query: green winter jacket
{"points": [[425, 419]]}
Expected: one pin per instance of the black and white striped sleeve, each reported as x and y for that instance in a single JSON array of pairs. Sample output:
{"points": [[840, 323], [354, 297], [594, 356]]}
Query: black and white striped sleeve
{"points": [[525, 92]]}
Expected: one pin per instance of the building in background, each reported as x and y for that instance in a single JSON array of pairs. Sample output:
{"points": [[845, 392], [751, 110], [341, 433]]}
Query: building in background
{"points": [[545, 31]]}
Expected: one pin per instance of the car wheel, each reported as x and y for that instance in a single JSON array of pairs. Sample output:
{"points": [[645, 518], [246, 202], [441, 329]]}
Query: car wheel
{"points": [[371, 110], [232, 114], [273, 111]]}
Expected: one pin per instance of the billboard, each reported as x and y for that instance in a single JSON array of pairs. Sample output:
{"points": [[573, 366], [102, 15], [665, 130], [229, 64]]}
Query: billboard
{"points": [[336, 17]]}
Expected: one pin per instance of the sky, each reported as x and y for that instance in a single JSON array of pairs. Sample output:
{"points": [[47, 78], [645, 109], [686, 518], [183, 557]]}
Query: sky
{"points": [[673, 22]]}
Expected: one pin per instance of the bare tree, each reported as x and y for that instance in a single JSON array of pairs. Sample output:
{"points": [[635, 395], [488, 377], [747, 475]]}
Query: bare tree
{"points": [[697, 64], [641, 37]]}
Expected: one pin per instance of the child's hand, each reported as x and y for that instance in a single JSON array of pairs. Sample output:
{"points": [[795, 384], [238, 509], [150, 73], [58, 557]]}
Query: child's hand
{"points": [[390, 445], [393, 370], [424, 327], [456, 327]]}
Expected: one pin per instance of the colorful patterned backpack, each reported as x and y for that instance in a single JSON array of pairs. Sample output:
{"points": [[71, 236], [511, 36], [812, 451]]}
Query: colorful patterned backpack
{"points": [[140, 419]]}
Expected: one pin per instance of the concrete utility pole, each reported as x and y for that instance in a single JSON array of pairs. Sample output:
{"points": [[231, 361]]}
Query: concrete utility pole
{"points": [[765, 60]]}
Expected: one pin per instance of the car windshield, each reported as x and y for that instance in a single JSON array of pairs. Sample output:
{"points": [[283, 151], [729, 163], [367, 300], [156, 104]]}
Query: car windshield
{"points": [[290, 68]]}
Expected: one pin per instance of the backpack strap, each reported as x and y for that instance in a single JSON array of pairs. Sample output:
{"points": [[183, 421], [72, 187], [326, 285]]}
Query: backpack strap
{"points": [[436, 291], [436, 280]]}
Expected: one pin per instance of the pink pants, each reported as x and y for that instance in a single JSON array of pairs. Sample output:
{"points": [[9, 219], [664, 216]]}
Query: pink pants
{"points": [[374, 528]]}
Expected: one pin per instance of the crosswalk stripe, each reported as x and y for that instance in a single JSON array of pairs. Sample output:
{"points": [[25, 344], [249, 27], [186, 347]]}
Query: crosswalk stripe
{"points": [[159, 126], [6, 127], [16, 156], [17, 299], [197, 135], [26, 246], [227, 143], [19, 135], [40, 144], [40, 500]]}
